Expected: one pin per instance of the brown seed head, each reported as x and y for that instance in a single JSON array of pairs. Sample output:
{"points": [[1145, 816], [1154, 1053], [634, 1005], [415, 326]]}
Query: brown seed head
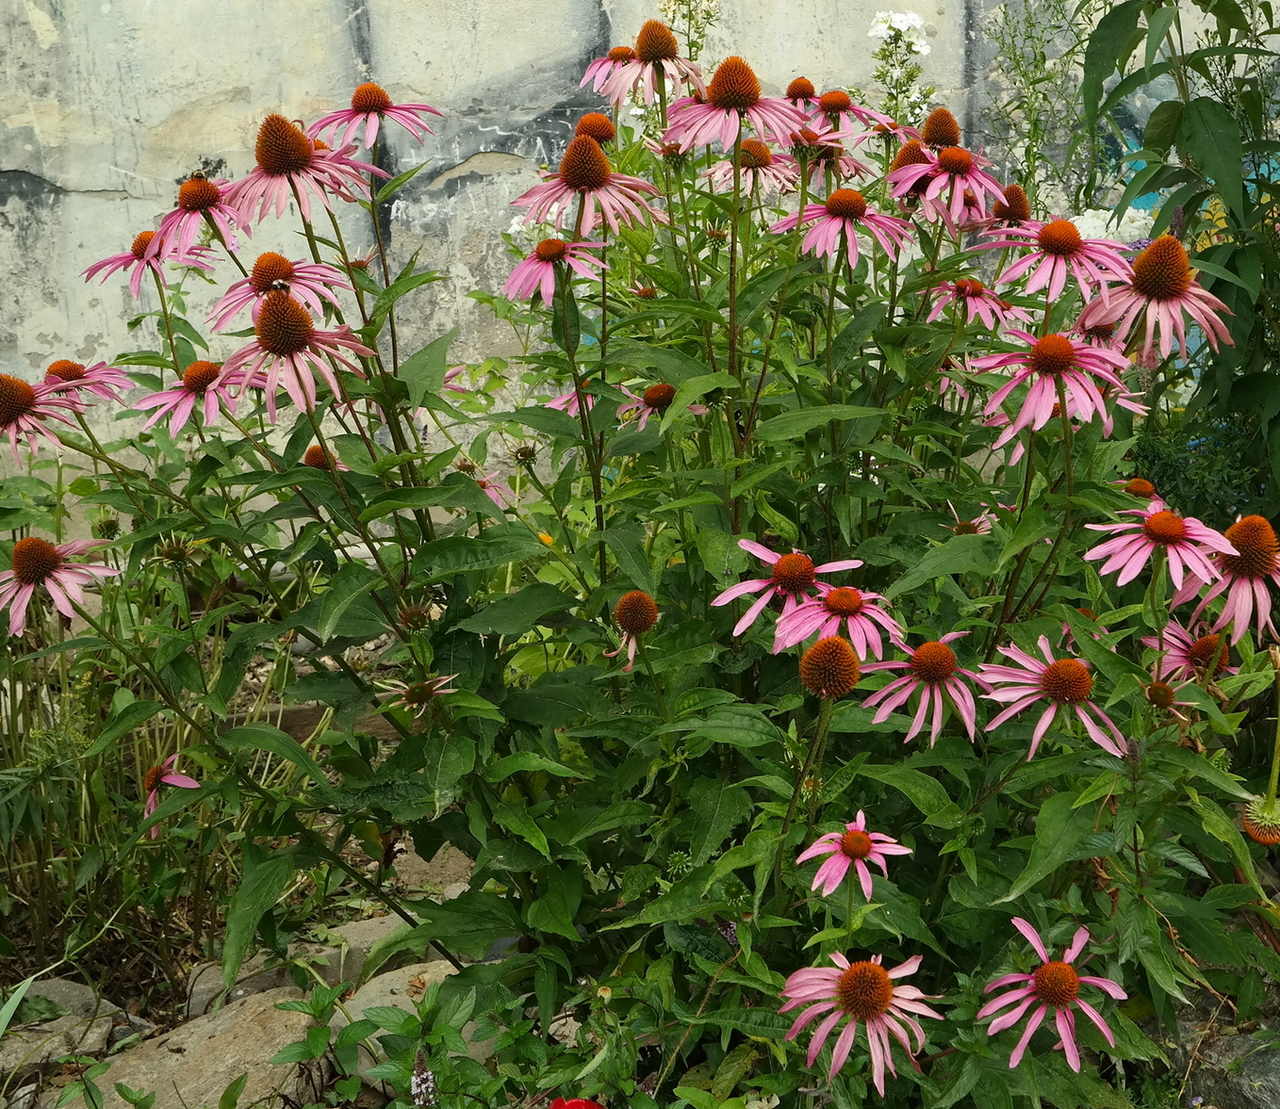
{"points": [[856, 844], [282, 147], [1163, 271], [1164, 527], [864, 991], [141, 241], [844, 601], [1255, 539], [1207, 651], [933, 662], [734, 85], [1060, 237], [197, 193], [1016, 207], [1160, 694], [835, 101], [370, 97], [1140, 487], [940, 129], [34, 560], [198, 376], [794, 573], [1261, 822], [65, 370], [829, 668], [584, 166], [1056, 984], [317, 458], [636, 612], [753, 154], [659, 396], [17, 398], [622, 54], [551, 250], [268, 269], [596, 125], [284, 327], [846, 204], [801, 88], [1052, 354], [1067, 681], [910, 153], [955, 160], [656, 43]]}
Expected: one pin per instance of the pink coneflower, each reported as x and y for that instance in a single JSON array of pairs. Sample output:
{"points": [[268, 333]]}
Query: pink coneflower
{"points": [[835, 605], [1045, 361], [202, 384], [794, 575], [977, 302], [654, 401], [844, 213], [1186, 656], [1064, 683], [656, 60], [977, 525], [24, 409], [1054, 984], [1160, 292], [1244, 577], [39, 564], [162, 775], [885, 130], [568, 402], [98, 378], [1185, 540], [199, 199], [732, 99], [859, 992], [309, 283], [759, 168], [497, 490], [634, 614], [137, 259], [370, 105], [288, 161], [537, 272], [934, 672], [944, 182], [318, 457], [849, 850], [417, 697], [823, 148], [600, 70], [1058, 251], [586, 176], [288, 350], [837, 108]]}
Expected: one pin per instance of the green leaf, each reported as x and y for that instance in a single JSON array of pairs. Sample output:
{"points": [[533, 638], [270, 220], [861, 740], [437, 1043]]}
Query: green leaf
{"points": [[691, 390], [263, 737], [793, 424], [121, 723], [1109, 46], [231, 1095], [959, 554], [457, 554], [683, 901], [925, 793], [627, 544], [12, 1002], [521, 761], [1219, 825], [520, 823], [718, 808], [1059, 832], [390, 188], [1209, 135], [324, 615], [565, 328], [387, 298], [555, 910], [266, 876], [519, 612], [423, 372]]}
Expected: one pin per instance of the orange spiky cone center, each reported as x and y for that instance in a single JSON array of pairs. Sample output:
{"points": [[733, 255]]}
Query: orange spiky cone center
{"points": [[933, 661], [17, 398], [370, 97], [1060, 237], [141, 241], [1255, 539], [734, 86], [656, 43], [1015, 207], [551, 250], [317, 458], [621, 54], [1067, 680], [584, 166], [200, 375], [197, 193], [268, 269], [801, 88], [844, 601], [941, 129], [910, 153], [1056, 984], [1140, 487], [596, 125], [1160, 694], [636, 612], [282, 147], [1164, 527], [970, 287], [34, 560], [1163, 271], [864, 991], [955, 160], [794, 573], [835, 101], [1207, 651], [829, 668], [1052, 354], [753, 154], [65, 370], [856, 844], [284, 327], [659, 396], [846, 204], [1261, 822]]}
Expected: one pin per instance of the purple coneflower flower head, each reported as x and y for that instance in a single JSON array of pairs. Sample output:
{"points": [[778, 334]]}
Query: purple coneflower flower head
{"points": [[1187, 543], [417, 697], [635, 613], [972, 297], [162, 775], [567, 402], [288, 161], [138, 260], [537, 272], [732, 101], [836, 108], [26, 408], [977, 525], [202, 385], [1063, 685], [289, 350], [309, 283], [1244, 577], [759, 169], [370, 105], [949, 183], [318, 457], [934, 674], [851, 849], [1162, 293], [586, 176], [1043, 363], [823, 615], [794, 576], [600, 70], [654, 61], [97, 378], [1058, 251], [38, 564], [654, 401], [200, 201], [1053, 986], [859, 993], [845, 213], [1186, 655]]}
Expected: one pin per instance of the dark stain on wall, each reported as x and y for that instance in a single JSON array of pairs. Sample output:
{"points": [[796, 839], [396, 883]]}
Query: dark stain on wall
{"points": [[30, 188]]}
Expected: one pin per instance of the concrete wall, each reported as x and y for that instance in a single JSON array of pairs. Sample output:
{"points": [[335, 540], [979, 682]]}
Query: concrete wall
{"points": [[107, 104]]}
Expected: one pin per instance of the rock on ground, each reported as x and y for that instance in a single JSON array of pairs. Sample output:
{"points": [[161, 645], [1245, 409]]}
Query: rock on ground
{"points": [[83, 1027], [1232, 1070]]}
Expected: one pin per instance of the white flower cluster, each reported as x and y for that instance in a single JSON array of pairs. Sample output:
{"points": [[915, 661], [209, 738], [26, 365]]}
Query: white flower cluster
{"points": [[908, 26], [1098, 223]]}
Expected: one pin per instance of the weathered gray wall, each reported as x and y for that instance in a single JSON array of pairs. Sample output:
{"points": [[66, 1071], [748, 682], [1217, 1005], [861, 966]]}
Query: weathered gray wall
{"points": [[108, 103]]}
